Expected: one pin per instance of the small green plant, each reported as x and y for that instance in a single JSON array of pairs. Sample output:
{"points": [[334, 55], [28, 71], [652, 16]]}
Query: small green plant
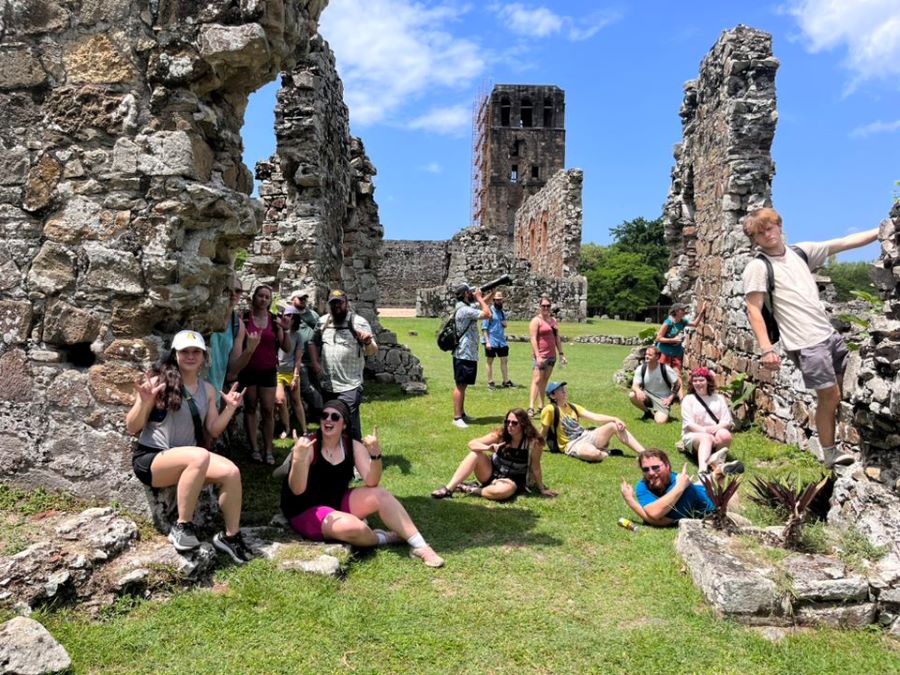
{"points": [[791, 498], [240, 257], [741, 392], [720, 493], [853, 548], [647, 335]]}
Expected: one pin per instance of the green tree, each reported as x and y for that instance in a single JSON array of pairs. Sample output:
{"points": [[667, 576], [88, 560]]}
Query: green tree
{"points": [[646, 238], [592, 256], [624, 284], [847, 277]]}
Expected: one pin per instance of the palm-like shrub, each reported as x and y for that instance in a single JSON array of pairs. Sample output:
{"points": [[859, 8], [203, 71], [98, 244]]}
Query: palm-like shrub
{"points": [[720, 493], [791, 498]]}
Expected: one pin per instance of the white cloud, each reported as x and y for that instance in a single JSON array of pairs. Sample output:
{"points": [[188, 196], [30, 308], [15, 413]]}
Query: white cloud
{"points": [[869, 29], [432, 167], [390, 52], [878, 127], [543, 22], [452, 121]]}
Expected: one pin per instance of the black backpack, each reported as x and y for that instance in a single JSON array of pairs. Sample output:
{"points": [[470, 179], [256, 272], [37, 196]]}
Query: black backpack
{"points": [[448, 337], [317, 336], [768, 311], [551, 440], [662, 368]]}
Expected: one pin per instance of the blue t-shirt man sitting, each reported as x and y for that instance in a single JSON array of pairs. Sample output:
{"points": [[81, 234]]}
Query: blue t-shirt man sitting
{"points": [[663, 497]]}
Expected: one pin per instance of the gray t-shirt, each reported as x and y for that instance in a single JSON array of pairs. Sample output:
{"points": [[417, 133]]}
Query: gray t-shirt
{"points": [[176, 429], [653, 382], [467, 317], [800, 314], [343, 359]]}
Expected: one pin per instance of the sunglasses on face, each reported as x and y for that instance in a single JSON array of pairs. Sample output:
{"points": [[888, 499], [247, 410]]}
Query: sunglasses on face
{"points": [[545, 306], [238, 291], [653, 468], [333, 416], [512, 423]]}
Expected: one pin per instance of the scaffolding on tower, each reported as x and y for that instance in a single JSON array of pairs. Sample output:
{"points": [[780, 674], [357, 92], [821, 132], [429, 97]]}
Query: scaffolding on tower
{"points": [[481, 124]]}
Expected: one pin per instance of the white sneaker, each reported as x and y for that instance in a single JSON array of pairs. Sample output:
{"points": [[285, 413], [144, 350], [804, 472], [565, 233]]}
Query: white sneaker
{"points": [[460, 423], [717, 457], [832, 457]]}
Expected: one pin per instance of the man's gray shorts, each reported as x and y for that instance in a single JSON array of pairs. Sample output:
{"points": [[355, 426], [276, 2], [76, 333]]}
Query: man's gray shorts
{"points": [[656, 403], [822, 364]]}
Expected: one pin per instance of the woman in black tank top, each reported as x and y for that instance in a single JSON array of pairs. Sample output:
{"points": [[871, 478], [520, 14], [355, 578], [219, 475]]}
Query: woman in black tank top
{"points": [[504, 461], [318, 502]]}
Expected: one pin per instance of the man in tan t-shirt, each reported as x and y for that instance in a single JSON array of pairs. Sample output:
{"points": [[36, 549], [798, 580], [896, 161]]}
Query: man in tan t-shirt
{"points": [[807, 335]]}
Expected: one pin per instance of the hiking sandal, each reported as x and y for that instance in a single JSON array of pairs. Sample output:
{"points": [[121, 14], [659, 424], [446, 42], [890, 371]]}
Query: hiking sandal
{"points": [[442, 492]]}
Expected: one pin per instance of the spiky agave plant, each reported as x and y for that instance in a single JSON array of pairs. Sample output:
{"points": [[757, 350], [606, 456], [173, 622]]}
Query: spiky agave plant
{"points": [[793, 499], [720, 493]]}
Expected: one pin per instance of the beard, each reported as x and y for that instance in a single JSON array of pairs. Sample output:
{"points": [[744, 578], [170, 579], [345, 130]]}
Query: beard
{"points": [[339, 314]]}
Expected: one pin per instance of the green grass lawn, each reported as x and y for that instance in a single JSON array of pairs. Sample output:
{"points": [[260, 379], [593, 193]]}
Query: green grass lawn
{"points": [[535, 585], [430, 327]]}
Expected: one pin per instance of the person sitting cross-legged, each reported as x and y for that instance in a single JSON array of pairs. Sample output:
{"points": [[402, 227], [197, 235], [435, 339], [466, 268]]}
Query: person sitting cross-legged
{"points": [[318, 502], [655, 387], [706, 422], [589, 445], [504, 462], [663, 497]]}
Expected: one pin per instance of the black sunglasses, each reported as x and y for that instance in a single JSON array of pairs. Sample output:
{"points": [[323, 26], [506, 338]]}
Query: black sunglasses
{"points": [[333, 416], [653, 467], [546, 306], [512, 423]]}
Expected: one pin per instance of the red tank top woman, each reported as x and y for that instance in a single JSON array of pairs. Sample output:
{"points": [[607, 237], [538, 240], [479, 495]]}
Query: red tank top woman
{"points": [[546, 338]]}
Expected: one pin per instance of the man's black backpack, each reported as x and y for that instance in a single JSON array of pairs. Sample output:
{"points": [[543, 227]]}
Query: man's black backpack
{"points": [[448, 336], [768, 312]]}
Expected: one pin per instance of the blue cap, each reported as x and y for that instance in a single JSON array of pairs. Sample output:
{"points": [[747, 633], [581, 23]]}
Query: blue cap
{"points": [[553, 386]]}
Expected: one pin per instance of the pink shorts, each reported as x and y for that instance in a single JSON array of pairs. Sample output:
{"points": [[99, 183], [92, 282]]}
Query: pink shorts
{"points": [[309, 523]]}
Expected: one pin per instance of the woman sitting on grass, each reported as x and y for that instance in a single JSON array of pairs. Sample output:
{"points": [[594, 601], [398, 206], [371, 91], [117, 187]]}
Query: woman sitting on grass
{"points": [[172, 408], [706, 422], [561, 420], [503, 462], [318, 502]]}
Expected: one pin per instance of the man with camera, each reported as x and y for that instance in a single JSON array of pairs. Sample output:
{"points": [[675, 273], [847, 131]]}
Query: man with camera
{"points": [[471, 307]]}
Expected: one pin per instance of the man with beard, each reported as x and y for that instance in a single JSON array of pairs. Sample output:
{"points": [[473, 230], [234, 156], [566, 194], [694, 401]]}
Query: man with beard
{"points": [[664, 497], [337, 355], [493, 338], [465, 356]]}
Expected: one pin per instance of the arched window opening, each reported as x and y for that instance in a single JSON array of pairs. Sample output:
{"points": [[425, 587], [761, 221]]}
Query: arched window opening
{"points": [[526, 112], [505, 108]]}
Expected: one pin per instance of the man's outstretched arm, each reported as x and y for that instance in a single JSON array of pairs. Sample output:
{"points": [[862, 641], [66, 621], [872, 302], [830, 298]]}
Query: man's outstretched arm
{"points": [[851, 241]]}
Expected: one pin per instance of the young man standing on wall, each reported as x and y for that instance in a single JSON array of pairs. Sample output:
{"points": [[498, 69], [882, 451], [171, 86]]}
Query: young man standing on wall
{"points": [[807, 335]]}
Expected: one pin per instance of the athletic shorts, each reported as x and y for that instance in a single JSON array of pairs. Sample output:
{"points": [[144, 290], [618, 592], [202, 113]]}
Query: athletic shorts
{"points": [[822, 364], [574, 447], [285, 379], [308, 523], [549, 362], [257, 378], [464, 371], [656, 404], [674, 361], [141, 460], [491, 352]]}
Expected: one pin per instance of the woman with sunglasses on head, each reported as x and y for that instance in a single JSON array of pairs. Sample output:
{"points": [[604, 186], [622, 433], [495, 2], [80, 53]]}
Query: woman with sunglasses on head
{"points": [[706, 423], [318, 502], [504, 461], [545, 345], [171, 410], [260, 376]]}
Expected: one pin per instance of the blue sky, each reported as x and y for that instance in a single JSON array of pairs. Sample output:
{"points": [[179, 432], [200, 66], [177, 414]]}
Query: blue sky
{"points": [[412, 70]]}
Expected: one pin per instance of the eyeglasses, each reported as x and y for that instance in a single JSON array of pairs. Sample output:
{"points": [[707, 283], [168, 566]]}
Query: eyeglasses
{"points": [[333, 416], [545, 306], [237, 291], [653, 468], [512, 423]]}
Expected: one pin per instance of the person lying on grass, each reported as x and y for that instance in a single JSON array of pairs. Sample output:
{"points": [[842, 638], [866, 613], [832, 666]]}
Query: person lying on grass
{"points": [[504, 462], [663, 497], [318, 502], [589, 445]]}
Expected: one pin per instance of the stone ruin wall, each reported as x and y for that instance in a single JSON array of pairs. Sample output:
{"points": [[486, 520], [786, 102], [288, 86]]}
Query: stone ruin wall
{"points": [[548, 226], [723, 170], [123, 199], [477, 256], [407, 266], [321, 228]]}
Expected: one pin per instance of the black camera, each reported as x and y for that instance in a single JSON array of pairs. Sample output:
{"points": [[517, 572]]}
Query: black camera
{"points": [[505, 280]]}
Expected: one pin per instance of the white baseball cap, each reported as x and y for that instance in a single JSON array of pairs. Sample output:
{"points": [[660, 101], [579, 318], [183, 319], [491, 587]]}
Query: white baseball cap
{"points": [[188, 338]]}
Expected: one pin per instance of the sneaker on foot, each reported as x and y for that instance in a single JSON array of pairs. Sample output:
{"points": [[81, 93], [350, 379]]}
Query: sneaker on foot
{"points": [[718, 457], [235, 546], [508, 384], [460, 423], [647, 415], [390, 537], [729, 468], [183, 537], [491, 385], [832, 457], [427, 555], [467, 419]]}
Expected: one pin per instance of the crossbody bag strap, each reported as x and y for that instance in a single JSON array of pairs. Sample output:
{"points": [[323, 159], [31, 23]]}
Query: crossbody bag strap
{"points": [[703, 403], [195, 414]]}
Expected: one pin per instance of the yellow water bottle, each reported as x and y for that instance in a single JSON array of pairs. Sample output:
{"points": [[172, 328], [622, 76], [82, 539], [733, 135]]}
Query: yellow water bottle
{"points": [[628, 524]]}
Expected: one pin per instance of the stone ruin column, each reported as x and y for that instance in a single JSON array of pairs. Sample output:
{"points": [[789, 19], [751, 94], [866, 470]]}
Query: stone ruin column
{"points": [[321, 228], [122, 200]]}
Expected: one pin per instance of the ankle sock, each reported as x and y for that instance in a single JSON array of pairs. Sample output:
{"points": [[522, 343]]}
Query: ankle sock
{"points": [[416, 541], [381, 537]]}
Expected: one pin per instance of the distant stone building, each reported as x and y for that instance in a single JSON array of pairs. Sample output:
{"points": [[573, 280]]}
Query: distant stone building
{"points": [[526, 215]]}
